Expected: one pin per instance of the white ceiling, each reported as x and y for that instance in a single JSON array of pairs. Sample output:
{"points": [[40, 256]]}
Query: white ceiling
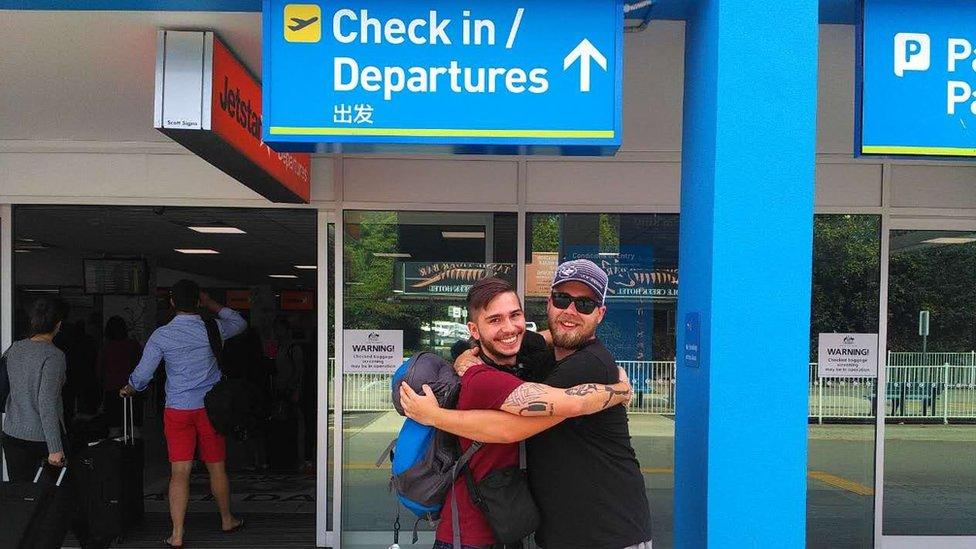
{"points": [[89, 75]]}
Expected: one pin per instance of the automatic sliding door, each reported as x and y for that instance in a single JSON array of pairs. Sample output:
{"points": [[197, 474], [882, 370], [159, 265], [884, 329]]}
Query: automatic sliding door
{"points": [[929, 495]]}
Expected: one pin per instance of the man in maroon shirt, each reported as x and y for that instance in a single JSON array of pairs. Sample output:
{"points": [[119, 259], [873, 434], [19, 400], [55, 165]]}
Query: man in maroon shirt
{"points": [[498, 323]]}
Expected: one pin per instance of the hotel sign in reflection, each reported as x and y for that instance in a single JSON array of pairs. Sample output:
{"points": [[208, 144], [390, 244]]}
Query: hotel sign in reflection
{"points": [[449, 278], [629, 277]]}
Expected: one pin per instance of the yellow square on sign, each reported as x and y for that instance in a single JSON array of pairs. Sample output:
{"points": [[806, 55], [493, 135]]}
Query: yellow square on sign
{"points": [[303, 23]]}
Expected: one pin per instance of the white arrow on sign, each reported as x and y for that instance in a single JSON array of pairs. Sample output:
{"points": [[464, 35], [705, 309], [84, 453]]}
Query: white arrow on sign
{"points": [[585, 52]]}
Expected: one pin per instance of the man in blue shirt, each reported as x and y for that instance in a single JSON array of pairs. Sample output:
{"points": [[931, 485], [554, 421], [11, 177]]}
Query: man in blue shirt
{"points": [[191, 371]]}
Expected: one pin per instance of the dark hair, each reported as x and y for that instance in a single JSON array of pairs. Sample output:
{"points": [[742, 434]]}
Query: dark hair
{"points": [[115, 329], [483, 291], [186, 295], [45, 313]]}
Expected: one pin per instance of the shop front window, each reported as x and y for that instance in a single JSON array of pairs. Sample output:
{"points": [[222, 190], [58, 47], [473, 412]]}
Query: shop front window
{"points": [[639, 253], [841, 436], [406, 276]]}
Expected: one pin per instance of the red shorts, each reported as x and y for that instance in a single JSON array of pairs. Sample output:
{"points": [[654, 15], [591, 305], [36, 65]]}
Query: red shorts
{"points": [[185, 429]]}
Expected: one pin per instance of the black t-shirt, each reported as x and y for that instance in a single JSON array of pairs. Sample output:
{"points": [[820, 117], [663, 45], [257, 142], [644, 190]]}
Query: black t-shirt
{"points": [[584, 473]]}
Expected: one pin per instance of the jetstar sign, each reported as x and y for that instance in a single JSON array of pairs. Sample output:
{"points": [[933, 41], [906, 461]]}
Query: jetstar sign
{"points": [[208, 102]]}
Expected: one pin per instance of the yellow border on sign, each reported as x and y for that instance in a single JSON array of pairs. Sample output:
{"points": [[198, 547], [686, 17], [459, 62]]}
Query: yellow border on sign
{"points": [[419, 132], [921, 151]]}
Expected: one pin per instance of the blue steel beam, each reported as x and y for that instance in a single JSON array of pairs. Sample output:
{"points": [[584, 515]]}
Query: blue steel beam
{"points": [[745, 270]]}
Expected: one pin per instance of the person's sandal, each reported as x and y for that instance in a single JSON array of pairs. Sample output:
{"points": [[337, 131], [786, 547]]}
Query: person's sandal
{"points": [[166, 543], [234, 529]]}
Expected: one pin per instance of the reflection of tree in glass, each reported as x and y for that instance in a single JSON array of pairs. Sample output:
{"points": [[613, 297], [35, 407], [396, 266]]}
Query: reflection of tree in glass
{"points": [[545, 233], [609, 233], [369, 298], [940, 279], [846, 275]]}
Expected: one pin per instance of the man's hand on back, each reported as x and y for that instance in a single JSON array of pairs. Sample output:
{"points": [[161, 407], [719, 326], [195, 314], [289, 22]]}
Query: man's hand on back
{"points": [[623, 386], [466, 360], [420, 408]]}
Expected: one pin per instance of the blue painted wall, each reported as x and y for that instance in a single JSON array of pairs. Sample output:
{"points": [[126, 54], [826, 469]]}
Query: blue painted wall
{"points": [[746, 246]]}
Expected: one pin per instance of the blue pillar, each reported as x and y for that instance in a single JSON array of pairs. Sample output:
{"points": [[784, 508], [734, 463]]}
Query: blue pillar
{"points": [[745, 254]]}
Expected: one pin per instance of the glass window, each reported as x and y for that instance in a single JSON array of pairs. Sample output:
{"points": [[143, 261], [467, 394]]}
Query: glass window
{"points": [[840, 489], [639, 252], [930, 438], [406, 271]]}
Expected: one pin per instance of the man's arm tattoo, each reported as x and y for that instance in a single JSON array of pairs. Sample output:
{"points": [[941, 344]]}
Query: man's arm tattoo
{"points": [[589, 388], [583, 390], [538, 408], [524, 394]]}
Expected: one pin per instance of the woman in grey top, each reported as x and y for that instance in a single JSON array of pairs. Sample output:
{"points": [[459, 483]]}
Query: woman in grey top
{"points": [[33, 428]]}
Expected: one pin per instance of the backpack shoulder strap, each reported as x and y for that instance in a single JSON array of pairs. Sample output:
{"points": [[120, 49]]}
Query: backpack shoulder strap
{"points": [[459, 466], [213, 335]]}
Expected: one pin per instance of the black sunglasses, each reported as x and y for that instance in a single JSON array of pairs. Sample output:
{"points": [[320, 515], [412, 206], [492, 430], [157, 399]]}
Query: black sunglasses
{"points": [[585, 305]]}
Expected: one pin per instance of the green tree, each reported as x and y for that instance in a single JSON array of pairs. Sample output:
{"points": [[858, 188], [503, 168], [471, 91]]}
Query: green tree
{"points": [[846, 275]]}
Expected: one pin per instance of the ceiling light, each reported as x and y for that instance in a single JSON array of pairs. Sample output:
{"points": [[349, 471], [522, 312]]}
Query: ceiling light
{"points": [[951, 240], [32, 247], [463, 234], [21, 251], [283, 276], [609, 254], [306, 267], [26, 239], [196, 251], [42, 291], [398, 291], [388, 254], [217, 230]]}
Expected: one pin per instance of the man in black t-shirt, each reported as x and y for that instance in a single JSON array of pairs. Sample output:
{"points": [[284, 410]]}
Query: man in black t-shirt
{"points": [[584, 472]]}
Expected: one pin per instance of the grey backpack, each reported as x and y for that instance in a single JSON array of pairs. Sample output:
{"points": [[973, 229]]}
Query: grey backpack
{"points": [[426, 461]]}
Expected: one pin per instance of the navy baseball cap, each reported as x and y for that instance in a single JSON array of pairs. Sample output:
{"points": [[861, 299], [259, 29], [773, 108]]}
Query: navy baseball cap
{"points": [[584, 271]]}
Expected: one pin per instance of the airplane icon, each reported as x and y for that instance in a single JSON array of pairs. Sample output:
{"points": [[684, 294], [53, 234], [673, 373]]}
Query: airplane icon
{"points": [[300, 23]]}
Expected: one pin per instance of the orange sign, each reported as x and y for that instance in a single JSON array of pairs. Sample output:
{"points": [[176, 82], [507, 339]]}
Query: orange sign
{"points": [[236, 117], [239, 299], [297, 300], [219, 117]]}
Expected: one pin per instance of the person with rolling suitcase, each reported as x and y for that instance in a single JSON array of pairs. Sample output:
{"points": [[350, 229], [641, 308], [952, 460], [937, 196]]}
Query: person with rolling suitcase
{"points": [[192, 371], [35, 513], [107, 476]]}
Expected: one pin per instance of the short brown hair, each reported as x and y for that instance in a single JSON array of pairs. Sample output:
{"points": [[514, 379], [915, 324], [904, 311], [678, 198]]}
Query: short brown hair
{"points": [[483, 291]]}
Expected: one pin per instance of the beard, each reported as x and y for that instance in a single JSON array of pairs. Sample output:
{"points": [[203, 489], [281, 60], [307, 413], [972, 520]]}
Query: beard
{"points": [[494, 351], [574, 339]]}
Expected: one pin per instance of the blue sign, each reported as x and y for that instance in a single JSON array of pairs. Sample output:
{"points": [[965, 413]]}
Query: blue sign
{"points": [[918, 78], [492, 73], [692, 351]]}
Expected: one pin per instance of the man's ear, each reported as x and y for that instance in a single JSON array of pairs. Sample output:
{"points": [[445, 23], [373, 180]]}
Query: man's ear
{"points": [[603, 311], [473, 330], [172, 303]]}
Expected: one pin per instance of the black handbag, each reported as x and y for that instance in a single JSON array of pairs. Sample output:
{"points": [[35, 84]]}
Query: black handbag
{"points": [[504, 497]]}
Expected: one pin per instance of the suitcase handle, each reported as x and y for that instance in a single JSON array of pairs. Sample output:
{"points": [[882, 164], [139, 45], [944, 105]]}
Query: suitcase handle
{"points": [[128, 421], [40, 470]]}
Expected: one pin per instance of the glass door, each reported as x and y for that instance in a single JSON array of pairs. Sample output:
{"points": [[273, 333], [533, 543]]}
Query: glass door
{"points": [[928, 437]]}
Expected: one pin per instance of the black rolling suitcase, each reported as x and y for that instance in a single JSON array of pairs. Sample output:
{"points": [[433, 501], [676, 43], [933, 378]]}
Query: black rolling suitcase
{"points": [[107, 475], [35, 515], [133, 458]]}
